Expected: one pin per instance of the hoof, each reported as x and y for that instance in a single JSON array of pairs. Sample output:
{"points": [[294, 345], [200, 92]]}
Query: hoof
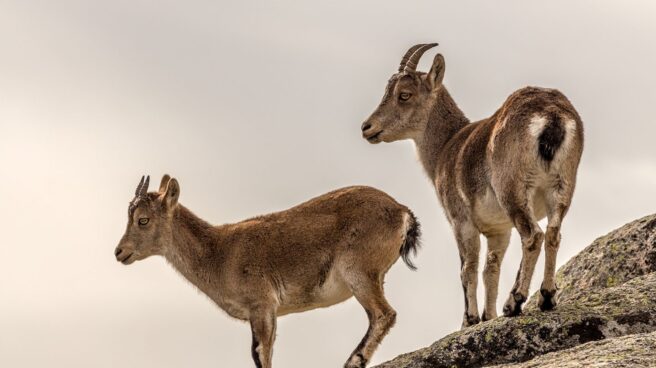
{"points": [[486, 317], [513, 306], [547, 300], [468, 320], [356, 361]]}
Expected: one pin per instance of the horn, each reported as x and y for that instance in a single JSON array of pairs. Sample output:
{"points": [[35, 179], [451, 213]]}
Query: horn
{"points": [[144, 188], [408, 54], [138, 191], [411, 65]]}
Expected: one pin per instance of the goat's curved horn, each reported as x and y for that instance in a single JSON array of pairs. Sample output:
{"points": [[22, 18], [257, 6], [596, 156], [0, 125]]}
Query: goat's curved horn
{"points": [[407, 55], [411, 65]]}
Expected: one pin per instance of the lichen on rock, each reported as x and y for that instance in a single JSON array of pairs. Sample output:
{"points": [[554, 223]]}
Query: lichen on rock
{"points": [[607, 291], [628, 351], [610, 260]]}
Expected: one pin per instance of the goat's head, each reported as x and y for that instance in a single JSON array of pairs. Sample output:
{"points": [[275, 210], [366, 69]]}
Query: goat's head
{"points": [[149, 221], [409, 97]]}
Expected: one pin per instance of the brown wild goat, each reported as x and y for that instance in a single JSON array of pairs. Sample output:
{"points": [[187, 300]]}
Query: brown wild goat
{"points": [[509, 170], [314, 255]]}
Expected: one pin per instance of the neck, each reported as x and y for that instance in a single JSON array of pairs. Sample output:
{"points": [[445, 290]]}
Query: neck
{"points": [[195, 250], [445, 119]]}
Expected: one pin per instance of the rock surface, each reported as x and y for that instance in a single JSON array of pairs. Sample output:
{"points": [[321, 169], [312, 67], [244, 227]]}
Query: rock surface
{"points": [[607, 291], [627, 351], [610, 260]]}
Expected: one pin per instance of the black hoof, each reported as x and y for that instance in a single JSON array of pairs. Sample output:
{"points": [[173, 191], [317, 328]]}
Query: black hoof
{"points": [[547, 300], [468, 320], [513, 306], [485, 317]]}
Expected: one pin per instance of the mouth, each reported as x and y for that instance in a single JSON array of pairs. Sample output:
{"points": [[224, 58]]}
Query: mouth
{"points": [[126, 259], [373, 138]]}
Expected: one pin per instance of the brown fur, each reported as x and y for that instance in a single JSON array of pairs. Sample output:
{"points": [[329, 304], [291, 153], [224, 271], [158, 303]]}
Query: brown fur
{"points": [[313, 255], [509, 170]]}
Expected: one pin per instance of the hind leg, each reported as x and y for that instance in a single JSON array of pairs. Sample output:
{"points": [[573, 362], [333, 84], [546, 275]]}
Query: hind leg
{"points": [[368, 290], [517, 205], [558, 200], [496, 249]]}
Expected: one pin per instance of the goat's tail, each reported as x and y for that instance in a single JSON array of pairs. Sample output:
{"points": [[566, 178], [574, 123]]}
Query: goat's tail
{"points": [[411, 242], [552, 137]]}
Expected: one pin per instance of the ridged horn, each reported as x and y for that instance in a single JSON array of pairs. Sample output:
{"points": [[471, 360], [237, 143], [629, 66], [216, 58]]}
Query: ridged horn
{"points": [[138, 190], [407, 55], [142, 188], [411, 65]]}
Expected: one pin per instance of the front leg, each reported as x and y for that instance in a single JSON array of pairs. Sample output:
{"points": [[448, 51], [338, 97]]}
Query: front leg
{"points": [[497, 244], [263, 328], [469, 245]]}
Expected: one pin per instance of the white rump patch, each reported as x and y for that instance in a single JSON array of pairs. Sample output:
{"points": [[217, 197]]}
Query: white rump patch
{"points": [[405, 227], [570, 130], [537, 125], [570, 127]]}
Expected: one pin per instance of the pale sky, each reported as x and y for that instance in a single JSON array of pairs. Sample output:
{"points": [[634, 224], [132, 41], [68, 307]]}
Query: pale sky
{"points": [[255, 107]]}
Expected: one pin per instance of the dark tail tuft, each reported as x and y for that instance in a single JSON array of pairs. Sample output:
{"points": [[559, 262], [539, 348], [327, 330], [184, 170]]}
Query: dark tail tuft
{"points": [[411, 243], [551, 138]]}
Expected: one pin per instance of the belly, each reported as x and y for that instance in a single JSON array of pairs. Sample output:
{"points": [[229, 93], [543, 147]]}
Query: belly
{"points": [[333, 291], [490, 217], [539, 205]]}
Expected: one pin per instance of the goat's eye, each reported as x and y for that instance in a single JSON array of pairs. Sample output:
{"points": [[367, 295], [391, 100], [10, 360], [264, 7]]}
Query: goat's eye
{"points": [[404, 96], [143, 221]]}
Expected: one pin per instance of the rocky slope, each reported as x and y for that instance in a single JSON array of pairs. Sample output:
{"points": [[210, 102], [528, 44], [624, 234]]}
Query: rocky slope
{"points": [[605, 315], [626, 351]]}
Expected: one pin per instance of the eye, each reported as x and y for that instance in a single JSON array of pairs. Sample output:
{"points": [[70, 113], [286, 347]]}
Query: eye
{"points": [[404, 96], [143, 221]]}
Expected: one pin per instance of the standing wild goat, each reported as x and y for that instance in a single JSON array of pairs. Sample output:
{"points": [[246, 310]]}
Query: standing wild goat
{"points": [[314, 255], [509, 170]]}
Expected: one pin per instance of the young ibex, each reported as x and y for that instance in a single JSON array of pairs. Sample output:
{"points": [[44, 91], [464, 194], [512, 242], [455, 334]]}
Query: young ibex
{"points": [[314, 255], [509, 170]]}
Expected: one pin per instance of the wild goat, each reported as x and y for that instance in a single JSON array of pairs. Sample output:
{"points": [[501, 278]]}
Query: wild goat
{"points": [[509, 170], [314, 255]]}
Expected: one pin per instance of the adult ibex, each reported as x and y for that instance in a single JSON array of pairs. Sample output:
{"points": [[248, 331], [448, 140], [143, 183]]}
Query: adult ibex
{"points": [[509, 170], [314, 255]]}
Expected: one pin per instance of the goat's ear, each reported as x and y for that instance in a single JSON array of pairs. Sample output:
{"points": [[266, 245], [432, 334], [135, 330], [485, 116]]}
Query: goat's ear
{"points": [[436, 73], [171, 194], [164, 182]]}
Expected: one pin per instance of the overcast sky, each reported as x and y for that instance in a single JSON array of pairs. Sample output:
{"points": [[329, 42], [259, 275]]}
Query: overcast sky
{"points": [[256, 107]]}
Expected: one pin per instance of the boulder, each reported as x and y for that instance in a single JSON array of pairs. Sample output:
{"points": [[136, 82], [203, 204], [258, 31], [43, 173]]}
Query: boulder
{"points": [[607, 291], [610, 260], [627, 351]]}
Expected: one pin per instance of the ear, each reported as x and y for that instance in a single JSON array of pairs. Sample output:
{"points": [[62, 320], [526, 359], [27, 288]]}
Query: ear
{"points": [[164, 183], [171, 194], [436, 73]]}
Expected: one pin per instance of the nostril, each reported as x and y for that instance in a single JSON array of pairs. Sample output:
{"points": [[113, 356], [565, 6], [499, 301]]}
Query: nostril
{"points": [[366, 127], [117, 251]]}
